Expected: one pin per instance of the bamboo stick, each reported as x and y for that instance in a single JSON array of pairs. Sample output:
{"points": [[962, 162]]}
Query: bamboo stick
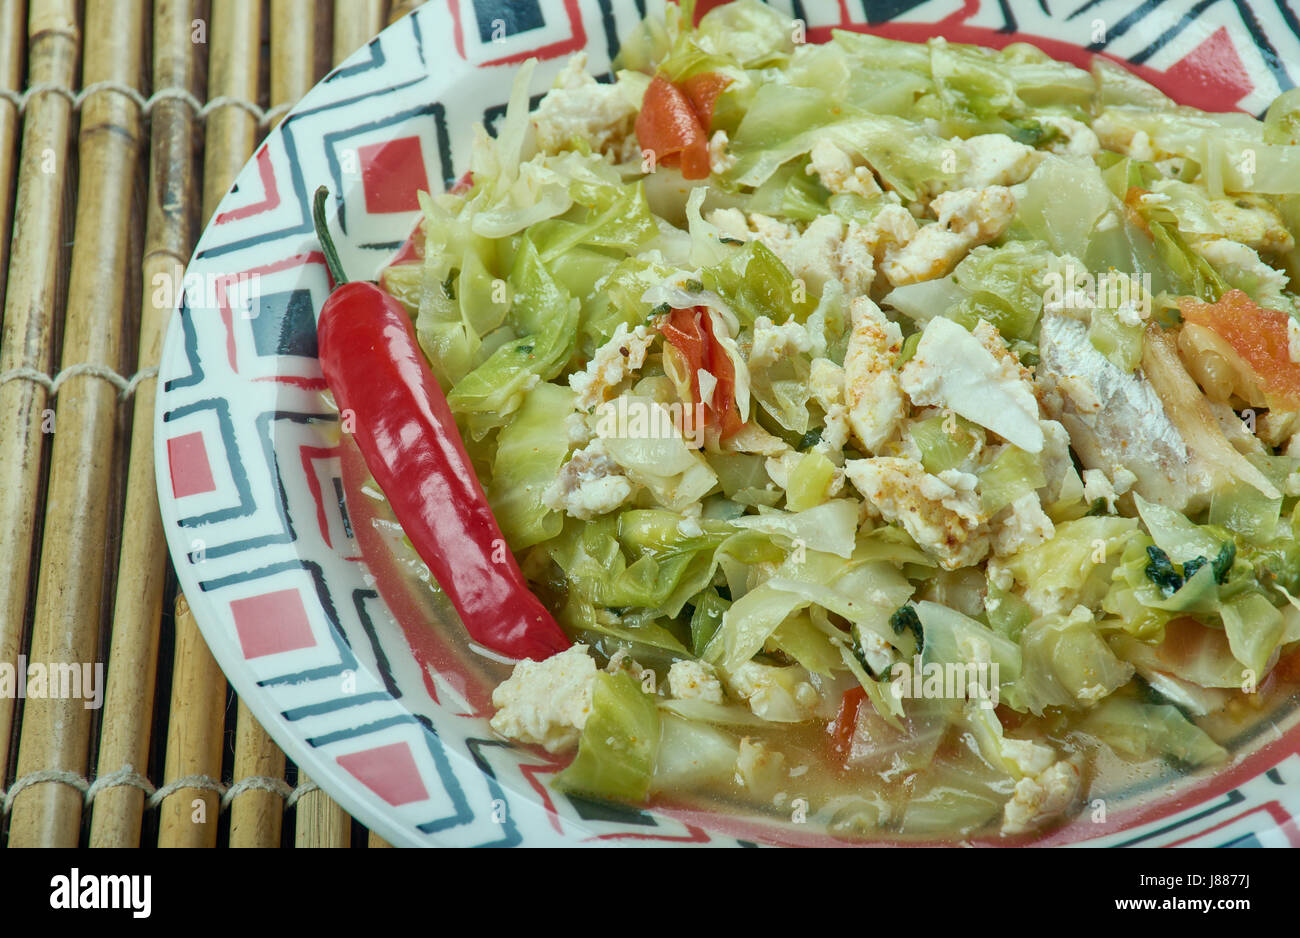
{"points": [[320, 821], [232, 133], [293, 58], [133, 657], [11, 75], [27, 341], [356, 22], [256, 815], [65, 631], [188, 817], [399, 8], [376, 841]]}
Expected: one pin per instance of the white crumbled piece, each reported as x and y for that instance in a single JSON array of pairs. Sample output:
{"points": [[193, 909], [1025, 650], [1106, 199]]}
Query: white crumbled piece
{"points": [[892, 225], [546, 703], [751, 438], [780, 466], [826, 249], [943, 514], [576, 432], [809, 255], [777, 694], [581, 108], [837, 172], [976, 376], [1277, 427], [856, 260], [720, 157], [979, 214], [835, 433], [999, 576], [864, 246], [1123, 480], [1293, 340], [1237, 262], [966, 218], [1041, 798], [590, 484], [1028, 757], [1096, 485], [1129, 315], [612, 363], [1116, 134], [1025, 525], [930, 255], [877, 652], [872, 394], [1076, 139], [1253, 223], [694, 680], [996, 160], [1140, 146], [826, 381], [772, 343], [759, 769], [730, 223]]}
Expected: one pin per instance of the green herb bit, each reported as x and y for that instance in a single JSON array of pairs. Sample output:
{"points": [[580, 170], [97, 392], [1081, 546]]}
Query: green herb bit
{"points": [[905, 617]]}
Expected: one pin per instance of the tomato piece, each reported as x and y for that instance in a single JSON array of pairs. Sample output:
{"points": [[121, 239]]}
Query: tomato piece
{"points": [[845, 724], [690, 332], [724, 394], [703, 90], [1259, 338], [669, 127], [684, 332]]}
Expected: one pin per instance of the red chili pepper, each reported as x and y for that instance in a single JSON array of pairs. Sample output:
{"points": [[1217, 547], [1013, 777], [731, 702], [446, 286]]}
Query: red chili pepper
{"points": [[674, 121], [405, 431], [690, 331], [845, 724]]}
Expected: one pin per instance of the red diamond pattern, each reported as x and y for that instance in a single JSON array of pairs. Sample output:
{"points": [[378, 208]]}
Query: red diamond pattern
{"points": [[389, 771], [272, 623], [391, 174], [187, 456], [1211, 76]]}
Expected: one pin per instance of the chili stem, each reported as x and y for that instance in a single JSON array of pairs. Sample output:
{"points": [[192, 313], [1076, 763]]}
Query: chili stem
{"points": [[323, 235]]}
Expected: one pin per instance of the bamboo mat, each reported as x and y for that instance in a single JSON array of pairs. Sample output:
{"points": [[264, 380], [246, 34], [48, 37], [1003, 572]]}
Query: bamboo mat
{"points": [[122, 124]]}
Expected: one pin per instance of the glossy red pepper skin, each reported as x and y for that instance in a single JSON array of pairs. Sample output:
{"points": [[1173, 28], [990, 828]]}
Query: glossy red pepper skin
{"points": [[402, 425]]}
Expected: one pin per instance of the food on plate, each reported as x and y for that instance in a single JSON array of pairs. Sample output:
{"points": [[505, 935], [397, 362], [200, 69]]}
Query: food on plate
{"points": [[904, 434]]}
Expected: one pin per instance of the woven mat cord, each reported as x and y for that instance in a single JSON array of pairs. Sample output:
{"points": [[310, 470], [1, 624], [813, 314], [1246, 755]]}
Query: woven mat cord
{"points": [[127, 776], [265, 117]]}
